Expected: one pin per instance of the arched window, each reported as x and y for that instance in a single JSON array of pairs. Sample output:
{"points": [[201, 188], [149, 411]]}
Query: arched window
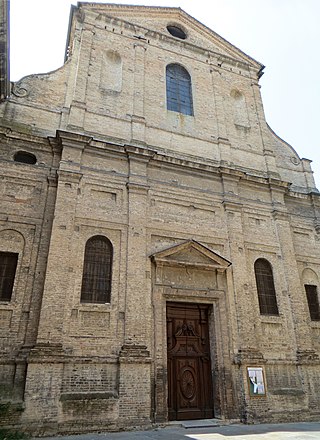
{"points": [[179, 93], [25, 157], [313, 302], [265, 286], [8, 266], [97, 270]]}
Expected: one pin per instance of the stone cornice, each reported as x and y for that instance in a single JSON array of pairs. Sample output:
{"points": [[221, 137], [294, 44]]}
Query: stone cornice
{"points": [[158, 157], [49, 353], [10, 134]]}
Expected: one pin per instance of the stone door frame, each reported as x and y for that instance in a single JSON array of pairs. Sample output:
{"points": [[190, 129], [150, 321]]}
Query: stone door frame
{"points": [[221, 331]]}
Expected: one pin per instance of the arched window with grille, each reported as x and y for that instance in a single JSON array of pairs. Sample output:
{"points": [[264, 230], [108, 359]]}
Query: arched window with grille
{"points": [[313, 302], [8, 266], [179, 91], [97, 270], [265, 287]]}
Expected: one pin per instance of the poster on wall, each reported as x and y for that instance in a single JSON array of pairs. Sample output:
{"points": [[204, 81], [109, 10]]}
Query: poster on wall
{"points": [[256, 381]]}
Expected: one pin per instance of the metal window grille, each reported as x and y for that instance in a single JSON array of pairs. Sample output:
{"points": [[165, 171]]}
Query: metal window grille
{"points": [[97, 271], [179, 93], [313, 302], [265, 286], [8, 266]]}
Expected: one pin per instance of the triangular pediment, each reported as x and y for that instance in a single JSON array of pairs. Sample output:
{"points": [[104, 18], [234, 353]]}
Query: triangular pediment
{"points": [[150, 20], [191, 253]]}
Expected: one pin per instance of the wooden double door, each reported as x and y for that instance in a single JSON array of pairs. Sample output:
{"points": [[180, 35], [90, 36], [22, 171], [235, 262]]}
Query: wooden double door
{"points": [[190, 393]]}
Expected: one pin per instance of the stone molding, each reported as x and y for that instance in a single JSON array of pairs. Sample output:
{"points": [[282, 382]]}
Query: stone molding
{"points": [[210, 259]]}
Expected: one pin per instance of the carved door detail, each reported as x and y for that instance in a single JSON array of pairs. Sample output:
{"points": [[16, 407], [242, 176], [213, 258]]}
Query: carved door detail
{"points": [[190, 394]]}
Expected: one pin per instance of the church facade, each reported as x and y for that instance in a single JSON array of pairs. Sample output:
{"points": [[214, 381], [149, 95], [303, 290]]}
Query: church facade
{"points": [[159, 243]]}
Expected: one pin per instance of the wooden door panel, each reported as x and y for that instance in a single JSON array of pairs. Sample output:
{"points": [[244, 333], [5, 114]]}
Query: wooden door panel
{"points": [[189, 368], [187, 388]]}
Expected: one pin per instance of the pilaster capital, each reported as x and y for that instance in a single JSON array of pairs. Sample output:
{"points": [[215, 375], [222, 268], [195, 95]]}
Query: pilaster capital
{"points": [[278, 185], [138, 153], [55, 144], [138, 188], [249, 356], [232, 206], [280, 215], [68, 176], [307, 357], [73, 140], [134, 353]]}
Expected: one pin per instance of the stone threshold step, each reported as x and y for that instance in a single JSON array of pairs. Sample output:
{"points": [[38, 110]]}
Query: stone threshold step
{"points": [[205, 423]]}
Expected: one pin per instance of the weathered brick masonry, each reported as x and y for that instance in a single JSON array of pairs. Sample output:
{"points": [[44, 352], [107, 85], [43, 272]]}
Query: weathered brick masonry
{"points": [[187, 199]]}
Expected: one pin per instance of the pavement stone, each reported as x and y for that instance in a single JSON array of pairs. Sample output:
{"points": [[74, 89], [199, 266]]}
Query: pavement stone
{"points": [[284, 431]]}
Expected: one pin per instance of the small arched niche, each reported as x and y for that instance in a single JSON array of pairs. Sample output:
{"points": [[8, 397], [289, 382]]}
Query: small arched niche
{"points": [[240, 112], [11, 241], [111, 72], [309, 277]]}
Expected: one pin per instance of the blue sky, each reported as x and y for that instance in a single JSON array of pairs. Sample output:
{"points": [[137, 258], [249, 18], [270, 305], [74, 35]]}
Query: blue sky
{"points": [[284, 35]]}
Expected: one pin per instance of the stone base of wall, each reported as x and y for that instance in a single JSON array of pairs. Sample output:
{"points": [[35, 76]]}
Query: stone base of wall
{"points": [[64, 395], [70, 395]]}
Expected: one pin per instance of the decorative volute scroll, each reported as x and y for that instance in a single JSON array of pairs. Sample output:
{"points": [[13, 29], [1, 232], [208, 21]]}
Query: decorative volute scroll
{"points": [[18, 90], [191, 254]]}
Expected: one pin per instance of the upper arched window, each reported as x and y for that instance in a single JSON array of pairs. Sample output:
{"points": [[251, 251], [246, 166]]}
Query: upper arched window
{"points": [[97, 270], [179, 93], [265, 287]]}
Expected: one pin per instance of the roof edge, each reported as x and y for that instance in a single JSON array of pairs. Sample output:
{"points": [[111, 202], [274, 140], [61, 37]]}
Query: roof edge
{"points": [[259, 66]]}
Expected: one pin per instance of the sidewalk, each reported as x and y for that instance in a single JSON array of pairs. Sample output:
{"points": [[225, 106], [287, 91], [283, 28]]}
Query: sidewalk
{"points": [[285, 431]]}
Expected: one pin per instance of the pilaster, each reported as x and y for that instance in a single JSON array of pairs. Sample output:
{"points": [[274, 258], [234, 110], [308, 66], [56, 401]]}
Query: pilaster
{"points": [[138, 120], [308, 174], [271, 164], [58, 284], [78, 103], [138, 297], [234, 223], [218, 96], [43, 386], [134, 386], [134, 357], [299, 318]]}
